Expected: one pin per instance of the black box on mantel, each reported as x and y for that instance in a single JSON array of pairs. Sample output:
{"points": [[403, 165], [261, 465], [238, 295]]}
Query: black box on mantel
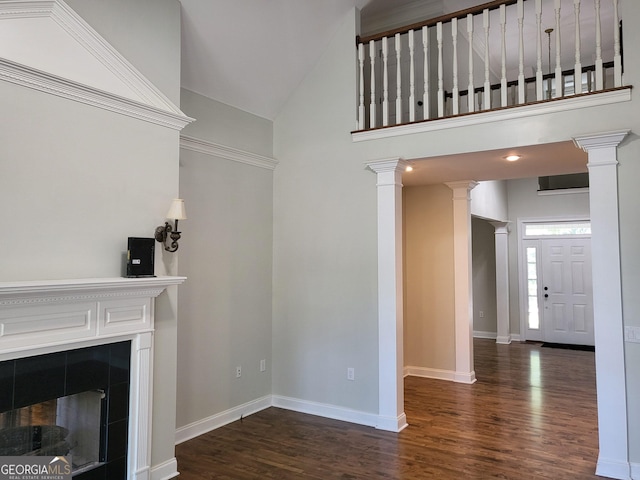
{"points": [[140, 253]]}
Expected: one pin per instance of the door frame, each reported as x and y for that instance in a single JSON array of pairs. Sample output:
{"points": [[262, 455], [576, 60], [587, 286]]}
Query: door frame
{"points": [[522, 266]]}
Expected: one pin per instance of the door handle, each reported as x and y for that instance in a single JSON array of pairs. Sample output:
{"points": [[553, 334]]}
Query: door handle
{"points": [[546, 295]]}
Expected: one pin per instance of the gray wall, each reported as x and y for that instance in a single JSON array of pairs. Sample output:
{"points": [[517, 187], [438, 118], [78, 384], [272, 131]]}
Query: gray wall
{"points": [[225, 307], [484, 276]]}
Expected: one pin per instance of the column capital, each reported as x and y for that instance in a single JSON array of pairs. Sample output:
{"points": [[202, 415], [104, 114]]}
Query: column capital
{"points": [[501, 227], [387, 165], [600, 140], [462, 189]]}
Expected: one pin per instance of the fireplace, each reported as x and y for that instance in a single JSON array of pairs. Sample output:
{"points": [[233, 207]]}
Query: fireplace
{"points": [[73, 403], [75, 372]]}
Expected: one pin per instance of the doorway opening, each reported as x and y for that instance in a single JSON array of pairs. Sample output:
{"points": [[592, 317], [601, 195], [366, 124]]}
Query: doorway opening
{"points": [[556, 291]]}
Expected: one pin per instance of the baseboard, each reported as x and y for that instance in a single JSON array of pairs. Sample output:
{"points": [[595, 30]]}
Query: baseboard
{"points": [[635, 471], [615, 469], [515, 337], [506, 340], [165, 470], [435, 373], [326, 410], [221, 419], [488, 335]]}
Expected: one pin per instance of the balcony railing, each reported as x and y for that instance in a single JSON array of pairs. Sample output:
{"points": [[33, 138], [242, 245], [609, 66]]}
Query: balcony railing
{"points": [[500, 54]]}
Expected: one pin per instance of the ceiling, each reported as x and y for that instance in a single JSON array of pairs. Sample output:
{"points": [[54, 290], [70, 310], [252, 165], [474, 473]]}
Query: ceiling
{"points": [[537, 160], [253, 54]]}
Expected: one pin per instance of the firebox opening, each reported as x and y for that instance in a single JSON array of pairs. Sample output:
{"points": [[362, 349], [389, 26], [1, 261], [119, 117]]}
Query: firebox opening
{"points": [[63, 426], [88, 417]]}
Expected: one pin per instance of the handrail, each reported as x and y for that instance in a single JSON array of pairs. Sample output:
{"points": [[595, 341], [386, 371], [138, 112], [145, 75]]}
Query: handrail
{"points": [[495, 4]]}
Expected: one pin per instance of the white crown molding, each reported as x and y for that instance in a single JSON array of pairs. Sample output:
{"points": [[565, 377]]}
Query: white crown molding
{"points": [[145, 102], [228, 153], [565, 104], [54, 85]]}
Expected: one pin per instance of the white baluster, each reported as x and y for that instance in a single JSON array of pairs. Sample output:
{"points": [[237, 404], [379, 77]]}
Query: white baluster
{"points": [[373, 104], [425, 95], [398, 81], [577, 72], [539, 74], [361, 75], [503, 78], [558, 72], [455, 95], [440, 72], [412, 80], [487, 82], [521, 85], [599, 66], [470, 93], [617, 59], [385, 82]]}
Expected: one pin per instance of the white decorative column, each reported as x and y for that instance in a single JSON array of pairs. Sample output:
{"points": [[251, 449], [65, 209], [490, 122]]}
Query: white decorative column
{"points": [[463, 286], [613, 460], [391, 414], [502, 281]]}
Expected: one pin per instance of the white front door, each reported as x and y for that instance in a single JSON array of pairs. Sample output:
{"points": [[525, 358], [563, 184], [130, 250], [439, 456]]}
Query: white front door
{"points": [[565, 300]]}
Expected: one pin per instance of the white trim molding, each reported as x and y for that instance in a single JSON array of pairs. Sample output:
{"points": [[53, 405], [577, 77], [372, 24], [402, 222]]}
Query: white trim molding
{"points": [[524, 111], [228, 153], [102, 77], [485, 335], [166, 470], [434, 373], [221, 419], [48, 83], [326, 410]]}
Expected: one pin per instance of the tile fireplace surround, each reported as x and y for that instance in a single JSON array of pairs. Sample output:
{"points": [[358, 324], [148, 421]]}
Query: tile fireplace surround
{"points": [[41, 317]]}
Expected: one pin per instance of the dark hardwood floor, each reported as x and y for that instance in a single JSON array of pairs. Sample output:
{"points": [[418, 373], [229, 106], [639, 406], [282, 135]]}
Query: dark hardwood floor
{"points": [[531, 415]]}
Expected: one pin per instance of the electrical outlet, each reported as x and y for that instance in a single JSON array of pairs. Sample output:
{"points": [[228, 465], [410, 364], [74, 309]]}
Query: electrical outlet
{"points": [[481, 313], [632, 334], [351, 373], [263, 365], [238, 372]]}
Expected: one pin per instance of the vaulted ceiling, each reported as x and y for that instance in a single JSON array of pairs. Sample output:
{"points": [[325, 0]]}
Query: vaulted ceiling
{"points": [[252, 55]]}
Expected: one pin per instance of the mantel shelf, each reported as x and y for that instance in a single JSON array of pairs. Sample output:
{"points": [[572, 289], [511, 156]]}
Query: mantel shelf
{"points": [[46, 288]]}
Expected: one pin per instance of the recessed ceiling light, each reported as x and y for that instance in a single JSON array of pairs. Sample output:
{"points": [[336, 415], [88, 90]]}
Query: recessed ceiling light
{"points": [[512, 158]]}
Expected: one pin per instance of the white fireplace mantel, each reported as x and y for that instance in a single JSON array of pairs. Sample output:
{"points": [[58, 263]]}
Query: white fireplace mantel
{"points": [[38, 317]]}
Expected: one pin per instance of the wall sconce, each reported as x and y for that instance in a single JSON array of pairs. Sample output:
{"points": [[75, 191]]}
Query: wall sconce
{"points": [[163, 232]]}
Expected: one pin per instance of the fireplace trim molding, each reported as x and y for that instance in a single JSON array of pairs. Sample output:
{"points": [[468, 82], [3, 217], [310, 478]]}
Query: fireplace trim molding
{"points": [[38, 317]]}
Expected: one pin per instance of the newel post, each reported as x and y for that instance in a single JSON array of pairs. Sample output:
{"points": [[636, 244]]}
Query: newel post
{"points": [[391, 414]]}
